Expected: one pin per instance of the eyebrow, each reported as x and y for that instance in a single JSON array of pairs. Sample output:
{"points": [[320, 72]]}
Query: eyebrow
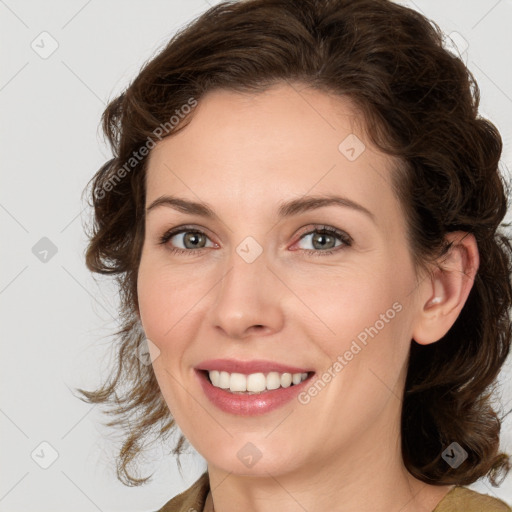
{"points": [[286, 209]]}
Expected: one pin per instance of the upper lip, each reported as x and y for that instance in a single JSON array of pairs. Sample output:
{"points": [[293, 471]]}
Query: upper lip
{"points": [[248, 367]]}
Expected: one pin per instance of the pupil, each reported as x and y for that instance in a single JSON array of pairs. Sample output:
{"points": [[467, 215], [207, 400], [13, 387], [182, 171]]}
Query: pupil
{"points": [[192, 237], [323, 237]]}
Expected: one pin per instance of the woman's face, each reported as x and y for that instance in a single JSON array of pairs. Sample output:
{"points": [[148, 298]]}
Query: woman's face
{"points": [[263, 291]]}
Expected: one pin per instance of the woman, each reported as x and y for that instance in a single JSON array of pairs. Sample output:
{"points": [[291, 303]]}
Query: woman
{"points": [[302, 213]]}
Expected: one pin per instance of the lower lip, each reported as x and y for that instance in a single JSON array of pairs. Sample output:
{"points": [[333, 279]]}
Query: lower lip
{"points": [[249, 405]]}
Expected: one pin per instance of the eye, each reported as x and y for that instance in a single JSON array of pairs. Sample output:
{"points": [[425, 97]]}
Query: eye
{"points": [[186, 239], [323, 240]]}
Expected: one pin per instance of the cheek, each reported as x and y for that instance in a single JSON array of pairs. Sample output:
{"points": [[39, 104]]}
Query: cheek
{"points": [[366, 319], [171, 300], [154, 305], [158, 292], [346, 303], [161, 306]]}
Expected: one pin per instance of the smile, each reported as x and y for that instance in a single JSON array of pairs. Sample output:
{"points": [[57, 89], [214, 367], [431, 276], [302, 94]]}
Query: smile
{"points": [[248, 388], [254, 382]]}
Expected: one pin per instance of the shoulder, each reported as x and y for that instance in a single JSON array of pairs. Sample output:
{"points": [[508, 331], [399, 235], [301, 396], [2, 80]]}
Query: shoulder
{"points": [[191, 500], [462, 499]]}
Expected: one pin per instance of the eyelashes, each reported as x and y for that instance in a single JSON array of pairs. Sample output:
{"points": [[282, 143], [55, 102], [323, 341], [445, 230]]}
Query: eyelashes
{"points": [[322, 230], [177, 231]]}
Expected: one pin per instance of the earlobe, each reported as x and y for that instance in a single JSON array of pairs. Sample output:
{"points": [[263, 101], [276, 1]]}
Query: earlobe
{"points": [[443, 294]]}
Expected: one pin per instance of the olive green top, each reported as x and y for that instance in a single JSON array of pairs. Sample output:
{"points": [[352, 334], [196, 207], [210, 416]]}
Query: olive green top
{"points": [[458, 499]]}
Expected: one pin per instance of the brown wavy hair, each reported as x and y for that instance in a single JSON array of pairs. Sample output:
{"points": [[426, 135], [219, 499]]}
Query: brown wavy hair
{"points": [[420, 104]]}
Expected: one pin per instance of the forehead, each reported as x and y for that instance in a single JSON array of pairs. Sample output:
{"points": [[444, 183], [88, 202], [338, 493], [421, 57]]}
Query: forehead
{"points": [[253, 151]]}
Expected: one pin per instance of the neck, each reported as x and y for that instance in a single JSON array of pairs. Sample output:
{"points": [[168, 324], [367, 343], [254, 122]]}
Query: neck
{"points": [[368, 475]]}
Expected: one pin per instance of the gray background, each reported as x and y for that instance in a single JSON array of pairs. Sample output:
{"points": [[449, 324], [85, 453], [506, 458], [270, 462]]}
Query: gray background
{"points": [[55, 316]]}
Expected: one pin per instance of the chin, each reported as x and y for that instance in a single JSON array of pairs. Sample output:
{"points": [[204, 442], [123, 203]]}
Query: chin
{"points": [[246, 457]]}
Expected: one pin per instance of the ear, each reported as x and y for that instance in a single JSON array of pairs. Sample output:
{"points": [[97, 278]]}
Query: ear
{"points": [[443, 294]]}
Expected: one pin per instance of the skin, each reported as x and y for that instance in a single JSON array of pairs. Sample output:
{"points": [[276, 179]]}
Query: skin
{"points": [[243, 154]]}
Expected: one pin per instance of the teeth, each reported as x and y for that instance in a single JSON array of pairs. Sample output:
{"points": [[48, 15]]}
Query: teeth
{"points": [[255, 382], [237, 382], [286, 380], [296, 378], [274, 380]]}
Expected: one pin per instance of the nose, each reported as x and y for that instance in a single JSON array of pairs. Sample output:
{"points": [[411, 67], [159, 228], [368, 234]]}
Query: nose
{"points": [[247, 299]]}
